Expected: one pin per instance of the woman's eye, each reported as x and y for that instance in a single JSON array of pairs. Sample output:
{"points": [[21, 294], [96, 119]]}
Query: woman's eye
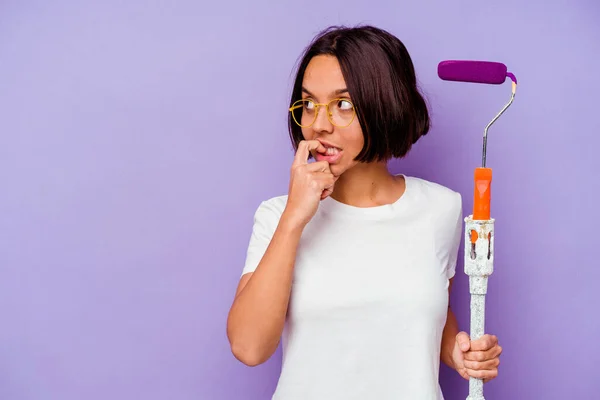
{"points": [[344, 105]]}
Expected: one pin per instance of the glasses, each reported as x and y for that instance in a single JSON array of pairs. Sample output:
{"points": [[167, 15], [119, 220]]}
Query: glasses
{"points": [[340, 112]]}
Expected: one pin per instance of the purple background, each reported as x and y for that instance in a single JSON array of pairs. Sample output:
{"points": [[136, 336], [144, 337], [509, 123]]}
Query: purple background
{"points": [[139, 137]]}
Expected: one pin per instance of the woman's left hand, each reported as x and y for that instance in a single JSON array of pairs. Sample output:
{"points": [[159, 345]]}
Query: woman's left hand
{"points": [[478, 358]]}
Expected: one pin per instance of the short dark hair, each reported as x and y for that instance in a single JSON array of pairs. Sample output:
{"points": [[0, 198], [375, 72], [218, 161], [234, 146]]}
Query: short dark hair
{"points": [[381, 80]]}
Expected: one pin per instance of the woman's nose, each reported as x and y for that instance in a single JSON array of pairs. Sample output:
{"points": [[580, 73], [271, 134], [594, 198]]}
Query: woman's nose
{"points": [[322, 122]]}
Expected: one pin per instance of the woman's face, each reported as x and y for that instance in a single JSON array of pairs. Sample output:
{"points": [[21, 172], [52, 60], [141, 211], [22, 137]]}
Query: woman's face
{"points": [[323, 82]]}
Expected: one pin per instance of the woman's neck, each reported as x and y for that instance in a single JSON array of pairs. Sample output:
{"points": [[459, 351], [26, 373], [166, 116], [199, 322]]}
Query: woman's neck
{"points": [[368, 185]]}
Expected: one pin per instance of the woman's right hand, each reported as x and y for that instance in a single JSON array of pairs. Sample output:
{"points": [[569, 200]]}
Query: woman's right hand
{"points": [[309, 183]]}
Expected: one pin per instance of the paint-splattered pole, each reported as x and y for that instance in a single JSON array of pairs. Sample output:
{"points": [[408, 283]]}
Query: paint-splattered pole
{"points": [[479, 265]]}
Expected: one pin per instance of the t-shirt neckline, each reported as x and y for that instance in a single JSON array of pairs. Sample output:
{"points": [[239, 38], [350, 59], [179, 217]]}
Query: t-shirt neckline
{"points": [[332, 206]]}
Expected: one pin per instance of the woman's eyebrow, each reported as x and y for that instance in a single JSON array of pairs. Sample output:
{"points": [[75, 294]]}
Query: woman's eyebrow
{"points": [[305, 90], [335, 92]]}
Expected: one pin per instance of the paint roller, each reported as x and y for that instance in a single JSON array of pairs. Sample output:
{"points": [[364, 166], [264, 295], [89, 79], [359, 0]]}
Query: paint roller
{"points": [[487, 72], [479, 227]]}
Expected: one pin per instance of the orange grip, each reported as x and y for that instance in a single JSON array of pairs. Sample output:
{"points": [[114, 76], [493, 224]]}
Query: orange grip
{"points": [[483, 194]]}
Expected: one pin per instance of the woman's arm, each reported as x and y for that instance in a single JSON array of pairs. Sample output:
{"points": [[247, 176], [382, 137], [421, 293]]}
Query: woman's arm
{"points": [[449, 335], [257, 316]]}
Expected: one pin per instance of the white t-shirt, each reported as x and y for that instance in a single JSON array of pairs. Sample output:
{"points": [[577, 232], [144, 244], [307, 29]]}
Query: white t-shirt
{"points": [[370, 295]]}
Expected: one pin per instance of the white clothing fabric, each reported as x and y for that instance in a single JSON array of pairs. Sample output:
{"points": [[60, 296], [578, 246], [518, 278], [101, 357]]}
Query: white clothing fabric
{"points": [[369, 298]]}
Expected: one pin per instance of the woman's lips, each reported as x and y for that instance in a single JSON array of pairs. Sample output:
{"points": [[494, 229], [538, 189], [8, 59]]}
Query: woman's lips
{"points": [[331, 155]]}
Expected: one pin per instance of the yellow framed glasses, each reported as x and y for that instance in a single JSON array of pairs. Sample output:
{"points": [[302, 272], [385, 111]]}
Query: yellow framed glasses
{"points": [[340, 112]]}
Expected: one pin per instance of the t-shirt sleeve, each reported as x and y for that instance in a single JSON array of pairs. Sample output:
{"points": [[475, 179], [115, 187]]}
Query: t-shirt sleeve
{"points": [[266, 219], [454, 236]]}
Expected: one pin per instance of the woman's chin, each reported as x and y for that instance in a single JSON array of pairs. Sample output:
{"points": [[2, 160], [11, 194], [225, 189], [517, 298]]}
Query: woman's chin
{"points": [[337, 170]]}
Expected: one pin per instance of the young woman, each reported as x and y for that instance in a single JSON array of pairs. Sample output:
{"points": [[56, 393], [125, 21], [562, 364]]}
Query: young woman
{"points": [[352, 268]]}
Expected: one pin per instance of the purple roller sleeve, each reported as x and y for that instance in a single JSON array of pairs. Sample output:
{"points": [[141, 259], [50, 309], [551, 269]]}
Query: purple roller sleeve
{"points": [[488, 72]]}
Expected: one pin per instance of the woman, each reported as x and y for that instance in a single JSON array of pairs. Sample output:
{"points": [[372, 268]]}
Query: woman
{"points": [[352, 268]]}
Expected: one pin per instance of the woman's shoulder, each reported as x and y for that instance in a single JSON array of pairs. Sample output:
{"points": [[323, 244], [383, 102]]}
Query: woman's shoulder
{"points": [[275, 203], [434, 193], [271, 208]]}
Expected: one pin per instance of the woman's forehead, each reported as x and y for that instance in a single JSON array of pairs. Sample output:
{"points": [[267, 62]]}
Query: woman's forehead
{"points": [[323, 76]]}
